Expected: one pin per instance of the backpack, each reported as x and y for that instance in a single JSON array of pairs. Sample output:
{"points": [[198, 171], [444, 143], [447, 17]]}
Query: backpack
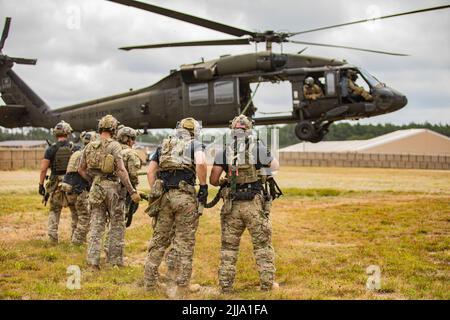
{"points": [[174, 154], [240, 158], [97, 156]]}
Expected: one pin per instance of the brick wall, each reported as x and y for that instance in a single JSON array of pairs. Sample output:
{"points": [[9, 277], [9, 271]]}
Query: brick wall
{"points": [[14, 158], [369, 160]]}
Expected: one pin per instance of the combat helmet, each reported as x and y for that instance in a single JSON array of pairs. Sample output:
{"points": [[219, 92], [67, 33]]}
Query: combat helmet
{"points": [[352, 74], [124, 133], [241, 126], [108, 123], [309, 81], [88, 136], [189, 124], [61, 129], [241, 122]]}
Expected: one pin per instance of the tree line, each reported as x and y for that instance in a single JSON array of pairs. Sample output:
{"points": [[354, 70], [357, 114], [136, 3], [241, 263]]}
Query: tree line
{"points": [[337, 131]]}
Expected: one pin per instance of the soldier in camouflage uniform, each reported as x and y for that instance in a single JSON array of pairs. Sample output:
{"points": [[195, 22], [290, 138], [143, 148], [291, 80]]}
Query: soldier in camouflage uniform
{"points": [[172, 174], [356, 91], [311, 91], [77, 191], [102, 166], [126, 136], [56, 158], [244, 205]]}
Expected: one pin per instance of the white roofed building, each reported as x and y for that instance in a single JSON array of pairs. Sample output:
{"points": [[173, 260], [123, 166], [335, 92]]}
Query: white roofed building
{"points": [[412, 148]]}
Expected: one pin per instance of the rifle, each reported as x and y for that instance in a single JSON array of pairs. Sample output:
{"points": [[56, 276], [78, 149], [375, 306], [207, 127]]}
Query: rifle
{"points": [[271, 189], [233, 168], [132, 207], [46, 196]]}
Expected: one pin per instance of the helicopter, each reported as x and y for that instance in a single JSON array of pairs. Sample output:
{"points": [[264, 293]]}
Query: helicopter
{"points": [[215, 91]]}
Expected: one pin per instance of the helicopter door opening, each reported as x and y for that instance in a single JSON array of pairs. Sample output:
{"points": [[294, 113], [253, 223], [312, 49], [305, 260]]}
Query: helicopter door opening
{"points": [[270, 99]]}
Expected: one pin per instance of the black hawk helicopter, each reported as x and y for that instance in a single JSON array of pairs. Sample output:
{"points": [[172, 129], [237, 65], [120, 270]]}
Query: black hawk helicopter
{"points": [[215, 91]]}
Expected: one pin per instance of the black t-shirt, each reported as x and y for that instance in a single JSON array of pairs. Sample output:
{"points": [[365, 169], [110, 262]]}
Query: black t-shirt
{"points": [[50, 153], [172, 179], [260, 153]]}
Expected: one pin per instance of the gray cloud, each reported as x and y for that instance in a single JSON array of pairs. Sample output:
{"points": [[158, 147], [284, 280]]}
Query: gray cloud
{"points": [[76, 64]]}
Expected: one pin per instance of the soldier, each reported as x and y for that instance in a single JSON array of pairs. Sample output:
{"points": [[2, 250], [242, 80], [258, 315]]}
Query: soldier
{"points": [[127, 138], [172, 174], [311, 91], [102, 166], [355, 90], [244, 206], [56, 158], [77, 190]]}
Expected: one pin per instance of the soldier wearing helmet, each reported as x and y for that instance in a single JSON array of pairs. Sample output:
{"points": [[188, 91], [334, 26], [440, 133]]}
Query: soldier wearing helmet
{"points": [[311, 91], [356, 92], [172, 175], [77, 191], [245, 161], [127, 138], [56, 158], [102, 166]]}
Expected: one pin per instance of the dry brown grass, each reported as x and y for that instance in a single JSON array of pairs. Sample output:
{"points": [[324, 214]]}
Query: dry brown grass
{"points": [[324, 239]]}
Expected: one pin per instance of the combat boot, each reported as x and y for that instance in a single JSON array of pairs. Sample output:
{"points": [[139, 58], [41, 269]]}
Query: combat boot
{"points": [[177, 292], [52, 240], [226, 290], [93, 267], [270, 287]]}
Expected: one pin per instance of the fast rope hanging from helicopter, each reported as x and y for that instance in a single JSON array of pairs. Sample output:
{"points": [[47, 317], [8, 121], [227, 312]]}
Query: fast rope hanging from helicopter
{"points": [[271, 188]]}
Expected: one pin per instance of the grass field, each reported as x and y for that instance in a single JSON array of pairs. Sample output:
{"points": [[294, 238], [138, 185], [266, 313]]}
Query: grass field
{"points": [[329, 227]]}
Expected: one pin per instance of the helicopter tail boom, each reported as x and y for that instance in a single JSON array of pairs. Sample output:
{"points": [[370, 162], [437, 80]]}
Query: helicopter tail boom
{"points": [[23, 106]]}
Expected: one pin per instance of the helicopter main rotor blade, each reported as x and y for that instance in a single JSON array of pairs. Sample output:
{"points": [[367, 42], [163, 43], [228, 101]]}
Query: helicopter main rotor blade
{"points": [[23, 60], [345, 47], [223, 42], [5, 32], [187, 18], [373, 19]]}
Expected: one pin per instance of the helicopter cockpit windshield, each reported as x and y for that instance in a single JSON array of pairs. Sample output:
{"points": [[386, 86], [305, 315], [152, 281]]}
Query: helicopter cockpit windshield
{"points": [[371, 80]]}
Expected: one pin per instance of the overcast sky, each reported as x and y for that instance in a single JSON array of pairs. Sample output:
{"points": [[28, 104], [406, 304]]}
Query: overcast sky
{"points": [[76, 41]]}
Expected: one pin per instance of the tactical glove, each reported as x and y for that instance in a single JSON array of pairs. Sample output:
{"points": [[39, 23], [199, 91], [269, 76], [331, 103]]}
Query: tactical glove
{"points": [[202, 195], [136, 197], [41, 189]]}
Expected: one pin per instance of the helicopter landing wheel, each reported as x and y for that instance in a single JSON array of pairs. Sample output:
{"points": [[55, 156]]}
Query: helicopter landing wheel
{"points": [[318, 136], [305, 130]]}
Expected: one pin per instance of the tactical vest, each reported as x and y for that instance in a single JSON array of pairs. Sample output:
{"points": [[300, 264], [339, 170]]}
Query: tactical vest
{"points": [[132, 163], [175, 156], [62, 156], [74, 162], [98, 158], [241, 160]]}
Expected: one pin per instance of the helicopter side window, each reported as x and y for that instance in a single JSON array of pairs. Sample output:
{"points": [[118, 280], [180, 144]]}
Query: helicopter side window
{"points": [[198, 94], [223, 92], [331, 84]]}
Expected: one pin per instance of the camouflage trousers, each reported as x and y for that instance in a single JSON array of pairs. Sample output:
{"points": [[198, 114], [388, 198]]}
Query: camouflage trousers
{"points": [[246, 215], [81, 216], [106, 202], [178, 216], [58, 200]]}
